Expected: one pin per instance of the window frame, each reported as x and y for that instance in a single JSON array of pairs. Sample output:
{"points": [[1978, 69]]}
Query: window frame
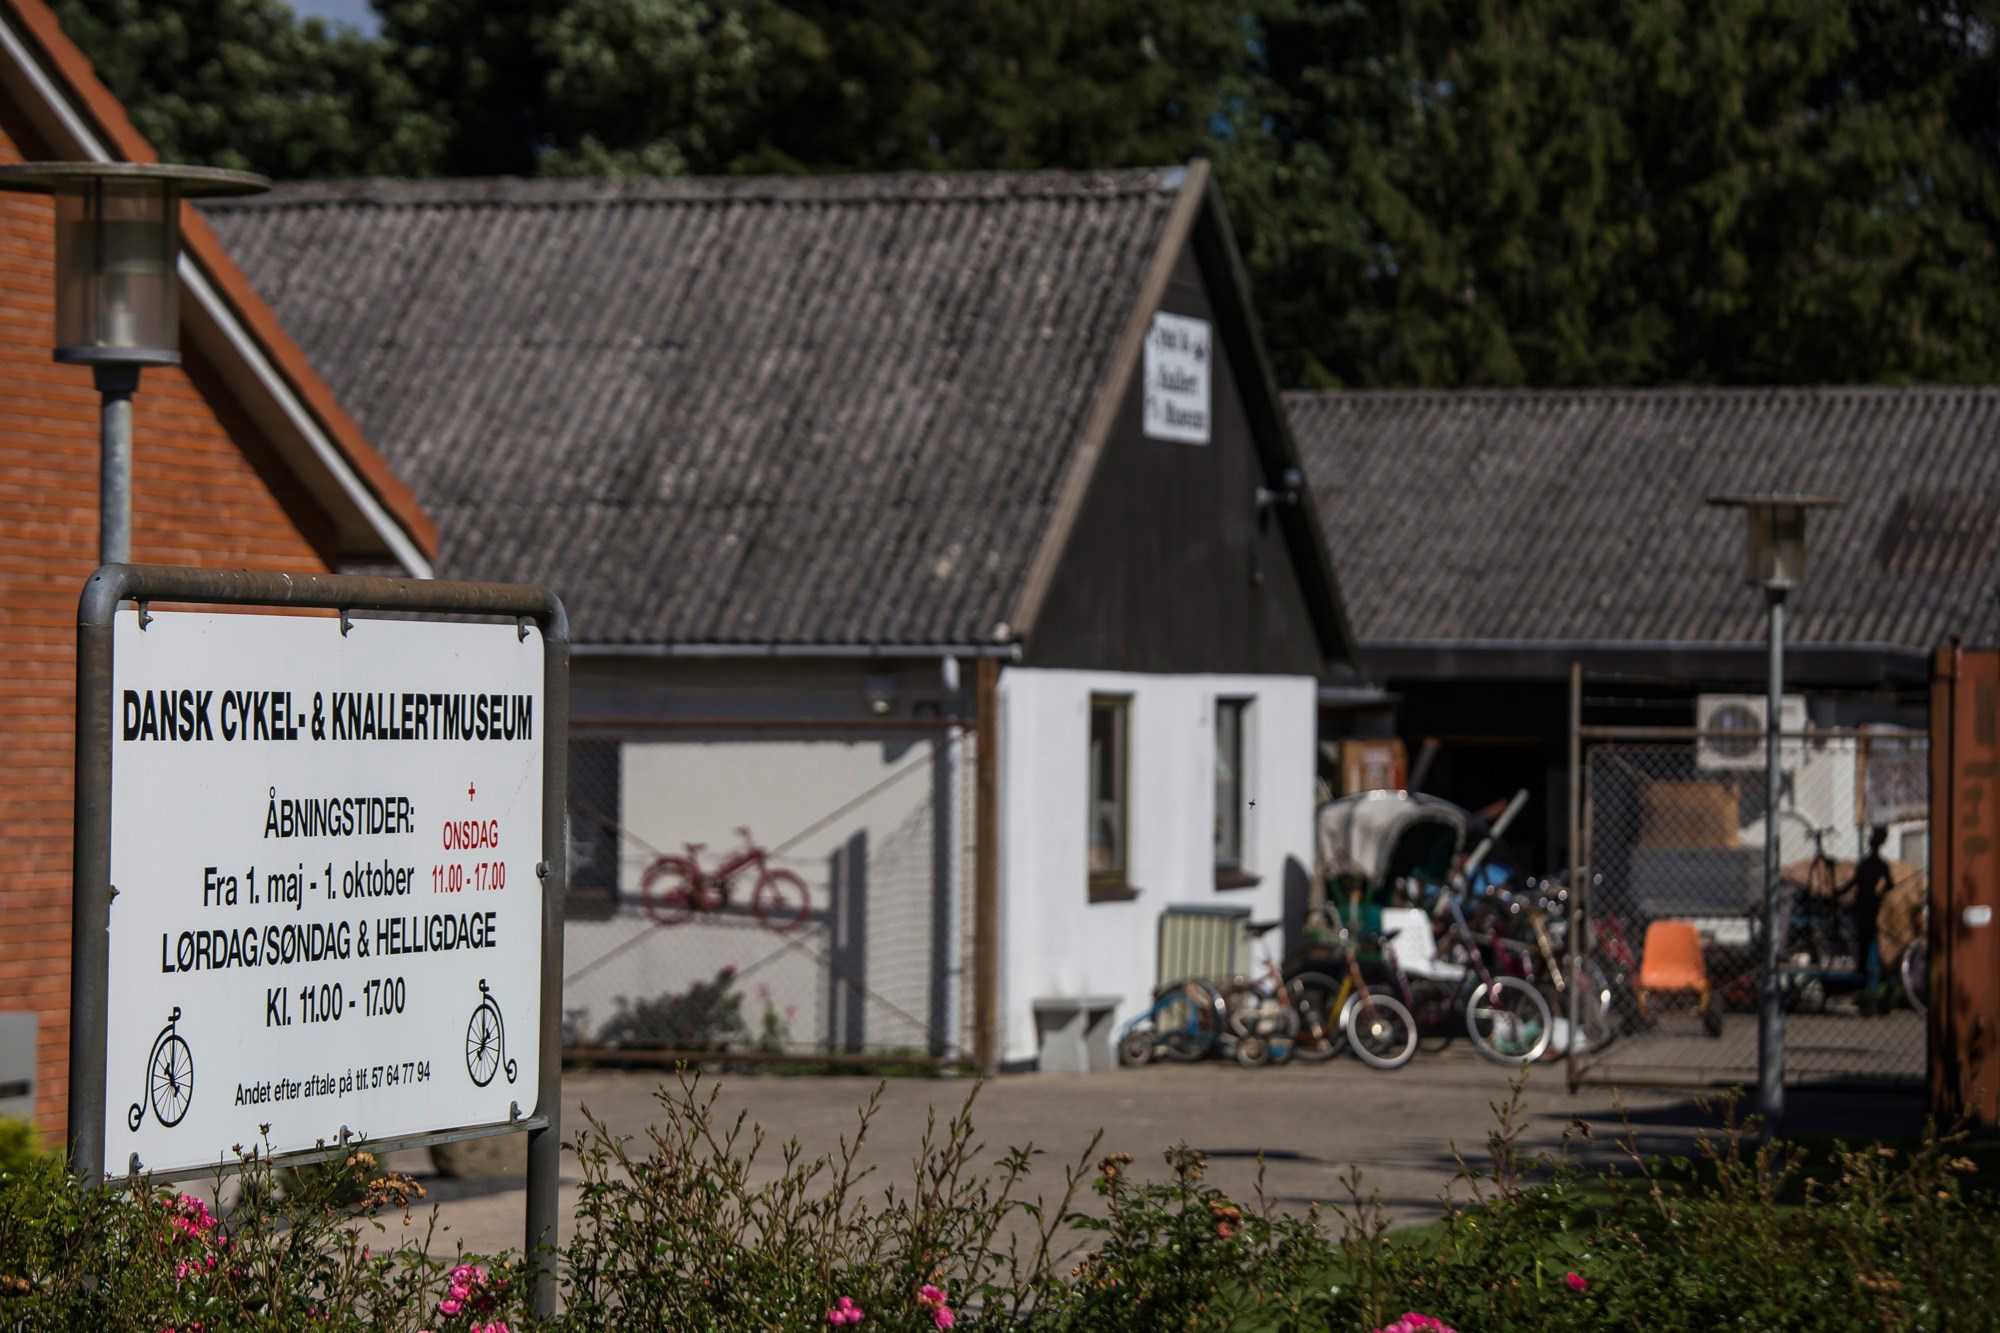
{"points": [[1111, 884], [1234, 873]]}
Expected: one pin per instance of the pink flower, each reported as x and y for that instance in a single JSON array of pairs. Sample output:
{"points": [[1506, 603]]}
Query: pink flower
{"points": [[934, 1297], [181, 1271], [844, 1311], [448, 1307], [1577, 1282], [1412, 1322]]}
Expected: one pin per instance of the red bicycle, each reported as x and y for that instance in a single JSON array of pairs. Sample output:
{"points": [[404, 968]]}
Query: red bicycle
{"points": [[674, 888]]}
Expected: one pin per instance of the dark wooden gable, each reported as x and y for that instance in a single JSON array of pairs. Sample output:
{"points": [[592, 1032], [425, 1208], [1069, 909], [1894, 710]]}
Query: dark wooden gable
{"points": [[1172, 565]]}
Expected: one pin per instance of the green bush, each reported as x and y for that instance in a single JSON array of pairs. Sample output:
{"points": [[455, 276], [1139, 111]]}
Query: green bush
{"points": [[294, 1252], [707, 1016], [704, 1224], [19, 1146]]}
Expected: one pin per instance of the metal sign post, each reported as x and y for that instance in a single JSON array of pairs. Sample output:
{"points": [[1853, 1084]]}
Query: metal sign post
{"points": [[320, 863]]}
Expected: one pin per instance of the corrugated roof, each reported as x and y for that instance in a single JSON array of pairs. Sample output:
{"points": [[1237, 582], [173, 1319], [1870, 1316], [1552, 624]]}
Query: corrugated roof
{"points": [[759, 411], [1578, 516]]}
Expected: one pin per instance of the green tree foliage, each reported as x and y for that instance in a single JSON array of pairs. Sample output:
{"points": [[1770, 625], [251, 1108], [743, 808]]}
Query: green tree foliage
{"points": [[1571, 193], [561, 87], [1429, 192], [246, 84]]}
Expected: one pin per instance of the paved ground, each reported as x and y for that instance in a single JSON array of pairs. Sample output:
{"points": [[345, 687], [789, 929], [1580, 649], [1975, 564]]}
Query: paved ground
{"points": [[1310, 1122]]}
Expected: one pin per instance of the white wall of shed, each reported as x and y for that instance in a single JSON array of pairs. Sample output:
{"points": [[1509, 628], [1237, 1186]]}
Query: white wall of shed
{"points": [[1053, 940]]}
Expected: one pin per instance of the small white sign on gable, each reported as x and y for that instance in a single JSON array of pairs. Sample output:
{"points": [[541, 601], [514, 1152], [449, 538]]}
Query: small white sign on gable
{"points": [[1177, 379]]}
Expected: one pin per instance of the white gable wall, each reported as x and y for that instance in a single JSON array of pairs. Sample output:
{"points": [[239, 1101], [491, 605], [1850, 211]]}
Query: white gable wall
{"points": [[1054, 940]]}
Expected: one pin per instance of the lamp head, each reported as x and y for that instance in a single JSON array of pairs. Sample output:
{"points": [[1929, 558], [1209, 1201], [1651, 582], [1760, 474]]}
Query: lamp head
{"points": [[118, 246], [1777, 535]]}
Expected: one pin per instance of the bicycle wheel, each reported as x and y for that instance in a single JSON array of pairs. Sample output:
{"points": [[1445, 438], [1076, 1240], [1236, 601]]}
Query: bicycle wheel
{"points": [[1380, 1030], [1315, 996], [1915, 970], [172, 1081], [1136, 1047], [781, 901], [1435, 1008], [670, 890], [482, 1044], [1241, 1005], [1508, 1020], [1188, 1019], [1597, 1006]]}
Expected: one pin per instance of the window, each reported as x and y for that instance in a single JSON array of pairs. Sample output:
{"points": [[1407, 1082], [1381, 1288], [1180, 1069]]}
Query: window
{"points": [[1232, 792], [1110, 717]]}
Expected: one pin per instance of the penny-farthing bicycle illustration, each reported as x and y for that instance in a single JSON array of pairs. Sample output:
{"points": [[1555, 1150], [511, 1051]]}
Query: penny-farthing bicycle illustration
{"points": [[486, 1041], [169, 1078]]}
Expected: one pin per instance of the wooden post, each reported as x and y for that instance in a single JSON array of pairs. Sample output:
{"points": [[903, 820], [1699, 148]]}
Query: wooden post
{"points": [[986, 875]]}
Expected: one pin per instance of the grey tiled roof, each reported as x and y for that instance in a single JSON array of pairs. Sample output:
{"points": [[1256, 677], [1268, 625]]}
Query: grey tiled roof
{"points": [[1578, 516], [756, 411]]}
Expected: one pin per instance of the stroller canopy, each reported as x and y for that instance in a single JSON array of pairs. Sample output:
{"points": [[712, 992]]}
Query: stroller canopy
{"points": [[1379, 837]]}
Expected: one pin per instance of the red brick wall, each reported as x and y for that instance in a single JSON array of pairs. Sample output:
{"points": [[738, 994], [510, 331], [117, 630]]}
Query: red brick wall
{"points": [[207, 491]]}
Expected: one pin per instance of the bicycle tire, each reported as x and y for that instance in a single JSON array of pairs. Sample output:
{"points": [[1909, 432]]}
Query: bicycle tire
{"points": [[1436, 1011], [171, 1079], [1914, 969], [675, 906], [781, 900], [1241, 1006], [1136, 1047], [1598, 1006], [1497, 1010], [1314, 997], [1380, 1030]]}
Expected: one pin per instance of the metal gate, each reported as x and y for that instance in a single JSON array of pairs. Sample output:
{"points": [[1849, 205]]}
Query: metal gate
{"points": [[768, 897], [1671, 864]]}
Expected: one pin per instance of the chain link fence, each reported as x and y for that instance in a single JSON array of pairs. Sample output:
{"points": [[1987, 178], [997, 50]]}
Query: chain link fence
{"points": [[1672, 915], [768, 898]]}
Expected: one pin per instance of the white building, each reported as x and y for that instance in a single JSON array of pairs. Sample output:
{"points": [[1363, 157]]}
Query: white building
{"points": [[943, 530]]}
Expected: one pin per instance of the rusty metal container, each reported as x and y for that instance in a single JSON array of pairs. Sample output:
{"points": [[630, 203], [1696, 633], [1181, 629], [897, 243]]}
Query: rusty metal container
{"points": [[1965, 885]]}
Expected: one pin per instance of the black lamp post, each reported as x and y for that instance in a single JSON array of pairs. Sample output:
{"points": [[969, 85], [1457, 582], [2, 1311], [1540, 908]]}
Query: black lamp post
{"points": [[1777, 564]]}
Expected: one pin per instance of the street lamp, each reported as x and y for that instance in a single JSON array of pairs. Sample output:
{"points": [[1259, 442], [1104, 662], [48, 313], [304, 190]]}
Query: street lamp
{"points": [[1777, 563], [118, 244]]}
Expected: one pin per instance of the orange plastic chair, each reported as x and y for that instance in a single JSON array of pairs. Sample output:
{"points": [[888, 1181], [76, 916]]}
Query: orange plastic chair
{"points": [[1671, 964]]}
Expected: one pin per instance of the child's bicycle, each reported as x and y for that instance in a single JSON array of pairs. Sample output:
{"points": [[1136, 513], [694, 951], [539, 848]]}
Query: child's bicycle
{"points": [[1183, 1023], [1273, 1019]]}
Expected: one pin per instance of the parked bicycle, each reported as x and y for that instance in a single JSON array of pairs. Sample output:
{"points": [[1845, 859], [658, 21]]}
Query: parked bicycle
{"points": [[1819, 932], [674, 888], [1373, 1023], [1506, 1017], [1273, 1018], [1184, 1023], [1544, 919]]}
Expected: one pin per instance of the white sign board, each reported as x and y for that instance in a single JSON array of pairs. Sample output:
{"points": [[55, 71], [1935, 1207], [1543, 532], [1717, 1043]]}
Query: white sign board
{"points": [[324, 848], [1177, 379]]}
